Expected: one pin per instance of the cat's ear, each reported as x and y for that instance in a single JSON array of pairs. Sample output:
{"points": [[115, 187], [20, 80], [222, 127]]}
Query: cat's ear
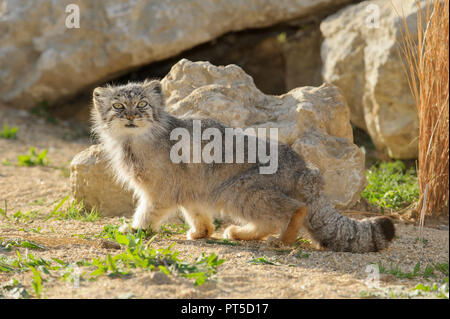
{"points": [[99, 94], [153, 86]]}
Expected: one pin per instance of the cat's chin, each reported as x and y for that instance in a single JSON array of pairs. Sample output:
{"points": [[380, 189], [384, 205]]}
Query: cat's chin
{"points": [[127, 130]]}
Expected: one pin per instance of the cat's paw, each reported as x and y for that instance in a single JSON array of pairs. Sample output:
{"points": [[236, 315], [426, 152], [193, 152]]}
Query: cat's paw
{"points": [[199, 233], [228, 232]]}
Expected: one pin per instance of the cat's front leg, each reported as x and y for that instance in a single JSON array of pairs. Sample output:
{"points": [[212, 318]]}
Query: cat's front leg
{"points": [[147, 215], [200, 222]]}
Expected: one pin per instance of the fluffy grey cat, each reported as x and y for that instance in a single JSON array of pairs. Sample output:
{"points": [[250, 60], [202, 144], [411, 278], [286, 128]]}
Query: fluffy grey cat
{"points": [[135, 131]]}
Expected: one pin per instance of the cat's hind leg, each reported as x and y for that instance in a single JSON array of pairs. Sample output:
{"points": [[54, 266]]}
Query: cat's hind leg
{"points": [[251, 231], [289, 236], [263, 211]]}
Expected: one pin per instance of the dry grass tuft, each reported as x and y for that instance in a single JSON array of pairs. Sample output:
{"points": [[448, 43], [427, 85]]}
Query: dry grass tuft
{"points": [[427, 60]]}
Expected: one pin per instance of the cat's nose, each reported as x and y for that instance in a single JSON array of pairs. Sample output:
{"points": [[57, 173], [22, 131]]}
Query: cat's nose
{"points": [[130, 117]]}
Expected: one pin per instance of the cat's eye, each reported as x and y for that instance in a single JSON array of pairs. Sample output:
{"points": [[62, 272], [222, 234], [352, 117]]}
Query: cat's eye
{"points": [[142, 104], [118, 106]]}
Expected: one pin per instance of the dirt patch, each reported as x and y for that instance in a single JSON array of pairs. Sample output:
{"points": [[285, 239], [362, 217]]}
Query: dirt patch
{"points": [[303, 272]]}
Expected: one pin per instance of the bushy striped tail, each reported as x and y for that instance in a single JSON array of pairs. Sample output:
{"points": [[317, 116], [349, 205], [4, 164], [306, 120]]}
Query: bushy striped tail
{"points": [[340, 233]]}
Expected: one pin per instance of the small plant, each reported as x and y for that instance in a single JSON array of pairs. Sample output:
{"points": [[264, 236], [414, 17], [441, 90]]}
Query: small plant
{"points": [[262, 261], [8, 244], [164, 260], [226, 242], [37, 281], [217, 223], [439, 291], [75, 210], [4, 212], [8, 133], [300, 254], [391, 185], [33, 158], [14, 289], [443, 268], [302, 241], [23, 217], [36, 230], [203, 268], [22, 265], [397, 272], [109, 232], [168, 230], [136, 255]]}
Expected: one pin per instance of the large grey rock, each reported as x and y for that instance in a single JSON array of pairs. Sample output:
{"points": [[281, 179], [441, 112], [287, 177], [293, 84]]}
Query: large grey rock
{"points": [[313, 120], [361, 56], [41, 59]]}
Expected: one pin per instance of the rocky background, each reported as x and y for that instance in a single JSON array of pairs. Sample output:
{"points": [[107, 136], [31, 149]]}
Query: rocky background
{"points": [[318, 70]]}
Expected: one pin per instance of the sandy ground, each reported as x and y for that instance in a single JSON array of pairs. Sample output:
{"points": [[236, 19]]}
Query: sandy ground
{"points": [[319, 274]]}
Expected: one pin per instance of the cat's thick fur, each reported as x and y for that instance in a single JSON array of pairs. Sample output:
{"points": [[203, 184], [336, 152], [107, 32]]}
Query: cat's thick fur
{"points": [[137, 143]]}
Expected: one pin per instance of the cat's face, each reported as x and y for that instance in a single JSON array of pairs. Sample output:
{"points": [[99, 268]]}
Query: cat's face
{"points": [[129, 109]]}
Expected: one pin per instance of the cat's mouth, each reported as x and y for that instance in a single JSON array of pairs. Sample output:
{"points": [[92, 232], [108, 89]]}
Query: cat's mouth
{"points": [[131, 125]]}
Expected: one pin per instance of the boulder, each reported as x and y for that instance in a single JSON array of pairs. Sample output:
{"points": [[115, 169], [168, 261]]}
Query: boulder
{"points": [[313, 120], [360, 54], [41, 59], [92, 182]]}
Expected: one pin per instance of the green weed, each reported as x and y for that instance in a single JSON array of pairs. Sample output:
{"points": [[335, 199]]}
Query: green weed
{"points": [[300, 254], [37, 281], [416, 272], [135, 255], [8, 244], [109, 232], [302, 241], [75, 210], [8, 133], [262, 261], [440, 291], [4, 212], [217, 223], [226, 242], [33, 158], [23, 217], [391, 185], [139, 256], [14, 289], [168, 230], [22, 265]]}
